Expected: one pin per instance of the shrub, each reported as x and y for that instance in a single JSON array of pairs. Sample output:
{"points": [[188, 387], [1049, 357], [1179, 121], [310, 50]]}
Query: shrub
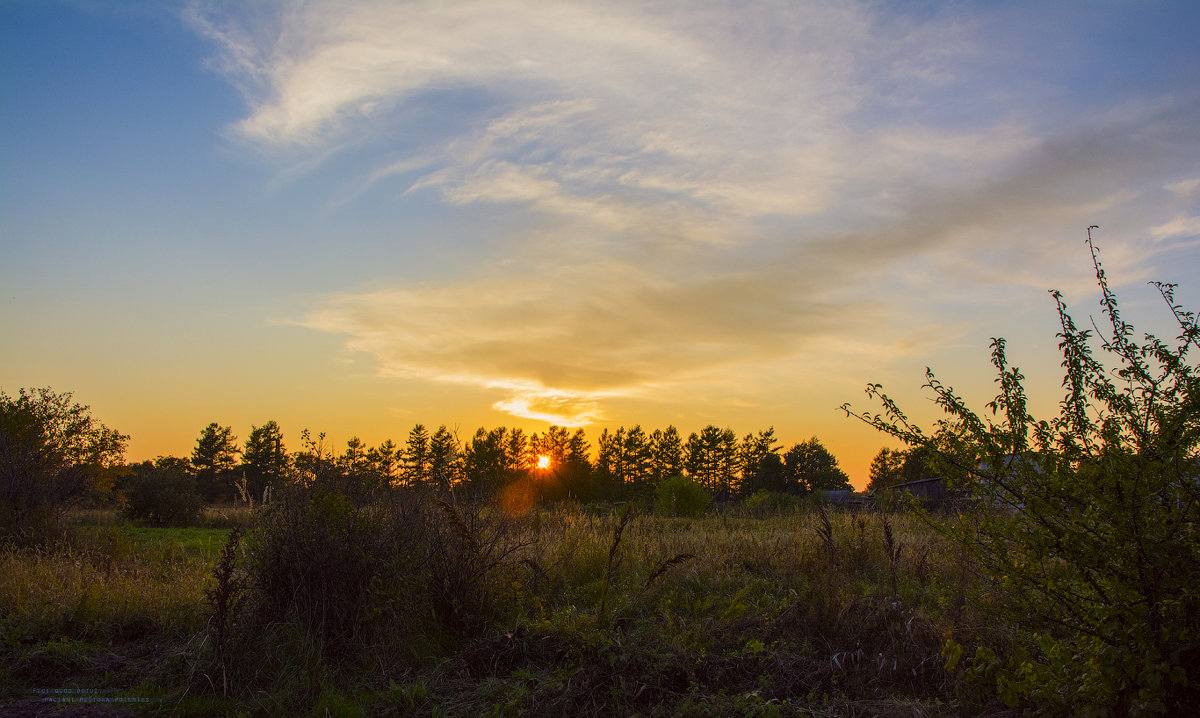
{"points": [[1088, 520], [159, 496], [680, 496], [51, 451], [764, 502], [402, 577], [331, 567]]}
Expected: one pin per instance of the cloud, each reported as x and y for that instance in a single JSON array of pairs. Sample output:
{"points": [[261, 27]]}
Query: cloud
{"points": [[557, 345], [698, 188]]}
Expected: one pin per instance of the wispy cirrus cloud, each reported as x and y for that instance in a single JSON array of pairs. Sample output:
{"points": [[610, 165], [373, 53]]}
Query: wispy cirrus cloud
{"points": [[701, 185]]}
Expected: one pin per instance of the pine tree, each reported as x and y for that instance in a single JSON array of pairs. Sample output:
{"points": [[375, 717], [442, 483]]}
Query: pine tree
{"points": [[384, 460], [416, 461], [445, 461], [485, 461], [516, 451], [213, 461], [637, 459], [264, 459], [711, 458], [753, 451], [668, 454], [887, 469]]}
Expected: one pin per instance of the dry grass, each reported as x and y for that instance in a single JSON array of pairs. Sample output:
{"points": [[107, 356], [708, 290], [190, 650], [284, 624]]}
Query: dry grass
{"points": [[100, 592], [597, 613]]}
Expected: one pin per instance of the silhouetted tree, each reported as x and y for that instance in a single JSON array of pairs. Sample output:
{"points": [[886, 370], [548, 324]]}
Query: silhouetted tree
{"points": [[445, 461], [710, 458], [887, 469], [162, 493], [637, 462], [264, 459], [486, 467], [607, 482], [416, 466], [576, 474], [385, 460], [362, 480], [552, 444], [517, 449], [754, 449], [51, 451], [771, 475], [667, 448], [213, 462], [314, 463], [810, 467]]}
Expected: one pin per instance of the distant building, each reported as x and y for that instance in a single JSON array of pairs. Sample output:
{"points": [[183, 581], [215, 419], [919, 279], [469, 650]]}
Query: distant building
{"points": [[835, 496], [927, 489]]}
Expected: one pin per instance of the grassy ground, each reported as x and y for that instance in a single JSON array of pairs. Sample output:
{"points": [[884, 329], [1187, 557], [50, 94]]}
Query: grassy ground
{"points": [[803, 613]]}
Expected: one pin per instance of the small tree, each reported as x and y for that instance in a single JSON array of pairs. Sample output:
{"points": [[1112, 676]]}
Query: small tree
{"points": [[445, 459], [680, 496], [416, 457], [1088, 519], [213, 460], [51, 451], [162, 493], [809, 467], [264, 459], [887, 469]]}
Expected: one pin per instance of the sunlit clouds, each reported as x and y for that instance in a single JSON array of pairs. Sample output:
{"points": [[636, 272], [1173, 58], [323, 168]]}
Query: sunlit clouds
{"points": [[356, 216], [555, 347], [695, 186]]}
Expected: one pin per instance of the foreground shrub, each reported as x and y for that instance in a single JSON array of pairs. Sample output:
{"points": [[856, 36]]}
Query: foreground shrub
{"points": [[338, 570], [680, 496], [52, 451], [1087, 520], [390, 584], [159, 496], [763, 502]]}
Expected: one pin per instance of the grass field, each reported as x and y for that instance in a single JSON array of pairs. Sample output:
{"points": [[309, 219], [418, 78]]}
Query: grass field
{"points": [[801, 613]]}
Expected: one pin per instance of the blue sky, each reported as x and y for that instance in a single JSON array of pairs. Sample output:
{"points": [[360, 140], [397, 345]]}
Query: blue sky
{"points": [[356, 216]]}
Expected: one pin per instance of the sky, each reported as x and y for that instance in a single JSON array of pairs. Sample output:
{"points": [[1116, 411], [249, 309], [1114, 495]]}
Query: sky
{"points": [[353, 217]]}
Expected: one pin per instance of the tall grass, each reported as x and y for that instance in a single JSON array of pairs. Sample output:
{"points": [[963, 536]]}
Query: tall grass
{"points": [[101, 589], [465, 610]]}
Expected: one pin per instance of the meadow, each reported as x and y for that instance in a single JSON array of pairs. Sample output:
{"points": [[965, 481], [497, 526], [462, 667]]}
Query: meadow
{"points": [[797, 609]]}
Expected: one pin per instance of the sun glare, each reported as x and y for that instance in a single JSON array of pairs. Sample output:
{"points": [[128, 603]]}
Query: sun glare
{"points": [[543, 462]]}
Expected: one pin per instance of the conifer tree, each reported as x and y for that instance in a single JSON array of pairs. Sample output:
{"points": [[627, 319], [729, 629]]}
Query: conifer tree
{"points": [[264, 459], [416, 466], [213, 461], [667, 448]]}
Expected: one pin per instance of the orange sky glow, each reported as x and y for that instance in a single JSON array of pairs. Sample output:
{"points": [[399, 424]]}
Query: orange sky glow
{"points": [[356, 217]]}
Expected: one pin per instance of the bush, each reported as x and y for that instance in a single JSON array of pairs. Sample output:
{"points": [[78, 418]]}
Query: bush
{"points": [[680, 496], [51, 451], [333, 586], [764, 502], [161, 497], [337, 570], [1087, 520]]}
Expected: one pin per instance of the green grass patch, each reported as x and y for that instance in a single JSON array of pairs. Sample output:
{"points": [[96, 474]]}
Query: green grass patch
{"points": [[157, 543], [200, 542]]}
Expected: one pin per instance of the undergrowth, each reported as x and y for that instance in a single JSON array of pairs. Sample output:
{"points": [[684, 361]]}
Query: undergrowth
{"points": [[416, 606]]}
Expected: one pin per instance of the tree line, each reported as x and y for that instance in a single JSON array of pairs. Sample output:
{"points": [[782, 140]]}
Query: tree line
{"points": [[53, 452], [626, 463]]}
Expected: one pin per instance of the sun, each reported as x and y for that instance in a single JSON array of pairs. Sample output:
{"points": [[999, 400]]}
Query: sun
{"points": [[543, 462]]}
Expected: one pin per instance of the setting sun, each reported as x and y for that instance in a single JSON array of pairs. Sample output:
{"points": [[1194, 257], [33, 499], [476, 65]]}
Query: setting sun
{"points": [[543, 462]]}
